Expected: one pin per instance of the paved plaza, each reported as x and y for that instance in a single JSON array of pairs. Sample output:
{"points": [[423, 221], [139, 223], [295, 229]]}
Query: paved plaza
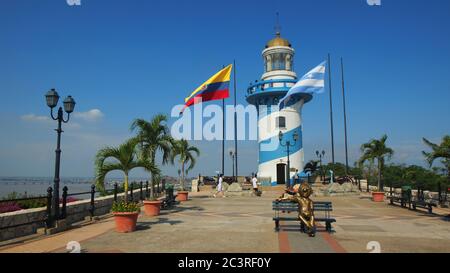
{"points": [[244, 224]]}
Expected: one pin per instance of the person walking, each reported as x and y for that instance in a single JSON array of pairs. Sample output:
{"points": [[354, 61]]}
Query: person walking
{"points": [[219, 186], [296, 178], [255, 186]]}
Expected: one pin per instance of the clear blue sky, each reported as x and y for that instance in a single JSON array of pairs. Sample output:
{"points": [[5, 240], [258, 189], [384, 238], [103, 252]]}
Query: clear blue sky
{"points": [[135, 58]]}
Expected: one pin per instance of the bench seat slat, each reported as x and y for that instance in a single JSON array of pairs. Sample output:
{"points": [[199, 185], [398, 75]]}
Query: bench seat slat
{"points": [[296, 208], [331, 220]]}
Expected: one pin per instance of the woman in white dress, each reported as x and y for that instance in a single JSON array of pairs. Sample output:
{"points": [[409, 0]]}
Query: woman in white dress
{"points": [[255, 186], [219, 186]]}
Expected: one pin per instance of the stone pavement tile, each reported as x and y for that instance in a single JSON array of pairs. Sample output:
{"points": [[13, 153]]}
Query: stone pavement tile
{"points": [[396, 229], [60, 240], [392, 244], [244, 224], [218, 225], [294, 241], [302, 243]]}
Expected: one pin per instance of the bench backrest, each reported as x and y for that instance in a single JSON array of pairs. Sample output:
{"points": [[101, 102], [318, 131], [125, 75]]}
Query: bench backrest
{"points": [[291, 206]]}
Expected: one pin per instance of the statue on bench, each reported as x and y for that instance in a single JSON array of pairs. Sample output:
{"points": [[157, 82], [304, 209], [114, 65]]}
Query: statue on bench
{"points": [[301, 196]]}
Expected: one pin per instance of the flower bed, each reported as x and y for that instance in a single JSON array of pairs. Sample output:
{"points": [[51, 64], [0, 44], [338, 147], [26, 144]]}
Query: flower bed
{"points": [[9, 207], [12, 205]]}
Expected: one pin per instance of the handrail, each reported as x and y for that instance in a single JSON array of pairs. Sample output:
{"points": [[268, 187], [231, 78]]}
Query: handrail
{"points": [[256, 87]]}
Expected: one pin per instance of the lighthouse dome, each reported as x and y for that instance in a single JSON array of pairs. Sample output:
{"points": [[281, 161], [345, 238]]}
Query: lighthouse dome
{"points": [[278, 41]]}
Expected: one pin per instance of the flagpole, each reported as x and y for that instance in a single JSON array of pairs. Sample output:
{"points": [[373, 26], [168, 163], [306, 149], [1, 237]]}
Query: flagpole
{"points": [[235, 122], [223, 136], [331, 109], [345, 117]]}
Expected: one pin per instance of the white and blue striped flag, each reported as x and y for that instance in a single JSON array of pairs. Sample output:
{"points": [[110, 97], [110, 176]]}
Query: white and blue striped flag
{"points": [[311, 82]]}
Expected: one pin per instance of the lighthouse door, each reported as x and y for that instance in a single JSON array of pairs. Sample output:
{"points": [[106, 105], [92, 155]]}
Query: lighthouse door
{"points": [[281, 173]]}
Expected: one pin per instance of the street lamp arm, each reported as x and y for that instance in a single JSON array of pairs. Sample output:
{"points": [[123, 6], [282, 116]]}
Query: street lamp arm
{"points": [[68, 118], [51, 114]]}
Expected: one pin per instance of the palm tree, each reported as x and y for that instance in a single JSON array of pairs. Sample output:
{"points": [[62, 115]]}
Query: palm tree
{"points": [[367, 170], [439, 151], [153, 136], [186, 156], [124, 158], [377, 149]]}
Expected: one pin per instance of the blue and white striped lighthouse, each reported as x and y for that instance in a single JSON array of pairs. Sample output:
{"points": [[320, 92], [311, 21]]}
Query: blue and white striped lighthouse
{"points": [[278, 78]]}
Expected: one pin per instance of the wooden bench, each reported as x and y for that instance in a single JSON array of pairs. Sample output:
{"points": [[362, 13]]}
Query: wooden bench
{"points": [[402, 200], [406, 200], [423, 204], [287, 206], [170, 200]]}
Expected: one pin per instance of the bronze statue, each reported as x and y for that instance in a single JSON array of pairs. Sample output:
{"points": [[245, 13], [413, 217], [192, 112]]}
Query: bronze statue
{"points": [[301, 196]]}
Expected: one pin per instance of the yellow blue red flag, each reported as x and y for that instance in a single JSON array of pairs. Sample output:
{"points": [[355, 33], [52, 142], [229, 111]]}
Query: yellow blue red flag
{"points": [[215, 88]]}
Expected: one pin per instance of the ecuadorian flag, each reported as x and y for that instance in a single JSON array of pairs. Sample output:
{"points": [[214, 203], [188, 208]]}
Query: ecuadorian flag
{"points": [[216, 88]]}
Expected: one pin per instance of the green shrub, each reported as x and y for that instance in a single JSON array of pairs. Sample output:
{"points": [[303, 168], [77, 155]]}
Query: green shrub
{"points": [[125, 207]]}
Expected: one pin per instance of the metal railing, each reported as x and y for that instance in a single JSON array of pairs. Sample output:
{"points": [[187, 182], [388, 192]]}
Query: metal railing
{"points": [[46, 219], [49, 220], [269, 85]]}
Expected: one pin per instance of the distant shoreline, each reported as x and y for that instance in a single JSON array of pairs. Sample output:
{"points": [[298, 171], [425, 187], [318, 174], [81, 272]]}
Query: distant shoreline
{"points": [[37, 186]]}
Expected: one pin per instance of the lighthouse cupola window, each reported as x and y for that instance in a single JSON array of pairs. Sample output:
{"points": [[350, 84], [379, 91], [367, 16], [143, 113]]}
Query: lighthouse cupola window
{"points": [[278, 61]]}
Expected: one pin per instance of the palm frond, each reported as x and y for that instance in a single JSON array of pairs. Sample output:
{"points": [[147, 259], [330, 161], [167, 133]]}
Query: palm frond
{"points": [[153, 136], [438, 151], [123, 158], [103, 171], [185, 153]]}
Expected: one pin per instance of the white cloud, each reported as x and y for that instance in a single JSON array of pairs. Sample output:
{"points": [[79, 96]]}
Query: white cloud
{"points": [[35, 118], [47, 120], [91, 115]]}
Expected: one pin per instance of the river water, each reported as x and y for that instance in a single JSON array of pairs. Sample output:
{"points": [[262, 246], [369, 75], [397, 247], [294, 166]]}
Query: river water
{"points": [[37, 186]]}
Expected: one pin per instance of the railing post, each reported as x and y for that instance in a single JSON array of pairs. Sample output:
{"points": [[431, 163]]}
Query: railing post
{"points": [[439, 193], [92, 208], [131, 192], [158, 189], [49, 221], [390, 190], [115, 192], [146, 189], [64, 203], [141, 194]]}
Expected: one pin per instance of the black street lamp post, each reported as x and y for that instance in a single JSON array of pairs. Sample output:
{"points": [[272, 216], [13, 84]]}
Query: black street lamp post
{"points": [[320, 155], [288, 144], [233, 155], [52, 98]]}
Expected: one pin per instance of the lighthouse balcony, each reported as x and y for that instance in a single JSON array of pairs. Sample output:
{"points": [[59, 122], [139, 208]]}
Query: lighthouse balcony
{"points": [[270, 92]]}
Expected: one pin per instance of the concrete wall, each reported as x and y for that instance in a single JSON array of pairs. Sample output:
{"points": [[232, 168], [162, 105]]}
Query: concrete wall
{"points": [[27, 222]]}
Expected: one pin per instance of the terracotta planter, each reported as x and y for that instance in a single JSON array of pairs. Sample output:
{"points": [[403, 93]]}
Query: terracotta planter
{"points": [[125, 221], [182, 196], [152, 208], [378, 196]]}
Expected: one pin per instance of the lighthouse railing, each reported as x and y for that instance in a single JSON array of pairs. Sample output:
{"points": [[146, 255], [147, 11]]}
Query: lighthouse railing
{"points": [[268, 85]]}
